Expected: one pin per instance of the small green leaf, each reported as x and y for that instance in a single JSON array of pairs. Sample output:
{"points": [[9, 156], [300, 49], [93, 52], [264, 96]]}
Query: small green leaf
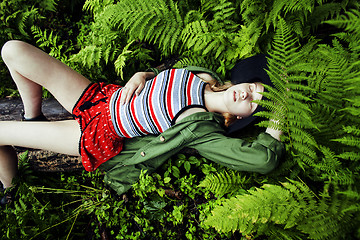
{"points": [[175, 171], [187, 166], [167, 179]]}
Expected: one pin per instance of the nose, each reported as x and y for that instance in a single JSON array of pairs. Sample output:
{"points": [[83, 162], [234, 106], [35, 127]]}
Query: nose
{"points": [[244, 95]]}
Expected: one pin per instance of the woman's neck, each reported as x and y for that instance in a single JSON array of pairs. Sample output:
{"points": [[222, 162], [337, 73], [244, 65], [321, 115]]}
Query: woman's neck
{"points": [[214, 101]]}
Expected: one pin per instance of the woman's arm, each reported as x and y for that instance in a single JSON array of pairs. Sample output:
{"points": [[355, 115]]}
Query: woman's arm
{"points": [[205, 76], [137, 82], [135, 85], [261, 155]]}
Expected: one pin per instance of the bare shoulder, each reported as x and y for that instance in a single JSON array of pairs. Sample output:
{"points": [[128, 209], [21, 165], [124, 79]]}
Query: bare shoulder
{"points": [[205, 76], [188, 112]]}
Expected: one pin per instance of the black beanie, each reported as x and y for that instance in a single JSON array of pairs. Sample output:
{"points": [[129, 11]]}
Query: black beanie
{"points": [[249, 70]]}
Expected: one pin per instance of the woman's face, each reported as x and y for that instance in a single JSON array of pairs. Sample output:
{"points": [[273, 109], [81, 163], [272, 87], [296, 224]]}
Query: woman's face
{"points": [[238, 98]]}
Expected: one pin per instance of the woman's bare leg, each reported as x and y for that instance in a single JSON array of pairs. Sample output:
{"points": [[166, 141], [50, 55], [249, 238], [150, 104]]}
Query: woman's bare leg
{"points": [[31, 70], [8, 165], [61, 137]]}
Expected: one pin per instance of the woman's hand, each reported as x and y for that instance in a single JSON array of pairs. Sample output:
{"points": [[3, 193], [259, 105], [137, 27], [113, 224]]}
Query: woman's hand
{"points": [[276, 123], [273, 130], [135, 85]]}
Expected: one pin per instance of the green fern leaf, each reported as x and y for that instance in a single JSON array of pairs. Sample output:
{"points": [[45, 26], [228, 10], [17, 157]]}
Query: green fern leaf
{"points": [[224, 182], [266, 206], [121, 59], [158, 22], [350, 21]]}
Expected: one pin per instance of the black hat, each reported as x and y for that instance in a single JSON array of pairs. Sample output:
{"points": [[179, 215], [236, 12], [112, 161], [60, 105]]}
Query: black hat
{"points": [[249, 70]]}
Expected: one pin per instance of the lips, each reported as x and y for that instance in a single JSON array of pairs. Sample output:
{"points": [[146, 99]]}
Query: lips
{"points": [[234, 96]]}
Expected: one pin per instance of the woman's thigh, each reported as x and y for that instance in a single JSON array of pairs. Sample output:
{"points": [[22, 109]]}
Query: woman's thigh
{"points": [[59, 136], [65, 84]]}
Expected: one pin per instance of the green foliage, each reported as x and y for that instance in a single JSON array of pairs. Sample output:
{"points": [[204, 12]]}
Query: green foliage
{"points": [[315, 101], [20, 19], [156, 21], [17, 15], [224, 182], [290, 211], [51, 41]]}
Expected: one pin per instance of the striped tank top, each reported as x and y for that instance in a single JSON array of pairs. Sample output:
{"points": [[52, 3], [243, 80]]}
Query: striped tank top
{"points": [[158, 105]]}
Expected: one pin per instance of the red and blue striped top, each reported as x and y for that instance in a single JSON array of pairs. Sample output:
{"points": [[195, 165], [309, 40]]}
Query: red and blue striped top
{"points": [[158, 105]]}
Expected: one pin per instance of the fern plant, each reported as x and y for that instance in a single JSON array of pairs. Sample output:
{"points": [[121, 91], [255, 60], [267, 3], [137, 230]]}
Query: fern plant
{"points": [[303, 16], [16, 19], [289, 211], [107, 48], [290, 100], [156, 21], [316, 101], [351, 111], [210, 30], [52, 41], [224, 182]]}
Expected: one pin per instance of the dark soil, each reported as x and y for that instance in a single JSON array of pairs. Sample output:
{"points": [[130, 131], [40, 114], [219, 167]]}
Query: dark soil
{"points": [[10, 110]]}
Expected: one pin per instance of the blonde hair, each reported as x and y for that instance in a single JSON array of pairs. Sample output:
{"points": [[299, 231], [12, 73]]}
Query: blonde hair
{"points": [[216, 87]]}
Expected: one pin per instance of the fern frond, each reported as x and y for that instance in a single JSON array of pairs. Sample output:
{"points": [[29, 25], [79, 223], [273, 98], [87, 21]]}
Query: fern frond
{"points": [[329, 220], [27, 18], [324, 12], [49, 5], [292, 207], [89, 56], [224, 182], [350, 141], [328, 124], [337, 71], [223, 13], [329, 161], [269, 205], [209, 5], [350, 21], [354, 195], [291, 98], [121, 59], [156, 21], [221, 37], [282, 8], [343, 176], [96, 6], [245, 41], [299, 5], [249, 10], [51, 41]]}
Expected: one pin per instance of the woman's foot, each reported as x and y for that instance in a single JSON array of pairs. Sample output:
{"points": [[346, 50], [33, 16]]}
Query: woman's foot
{"points": [[40, 118], [9, 196]]}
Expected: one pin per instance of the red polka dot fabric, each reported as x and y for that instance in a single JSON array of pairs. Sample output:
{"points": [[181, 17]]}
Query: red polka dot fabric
{"points": [[99, 141]]}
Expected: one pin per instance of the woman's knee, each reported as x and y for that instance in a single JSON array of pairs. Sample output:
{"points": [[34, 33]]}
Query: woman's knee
{"points": [[11, 50]]}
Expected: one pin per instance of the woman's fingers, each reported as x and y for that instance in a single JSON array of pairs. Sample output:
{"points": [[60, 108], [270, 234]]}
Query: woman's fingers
{"points": [[139, 88], [124, 94], [129, 90], [134, 86]]}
